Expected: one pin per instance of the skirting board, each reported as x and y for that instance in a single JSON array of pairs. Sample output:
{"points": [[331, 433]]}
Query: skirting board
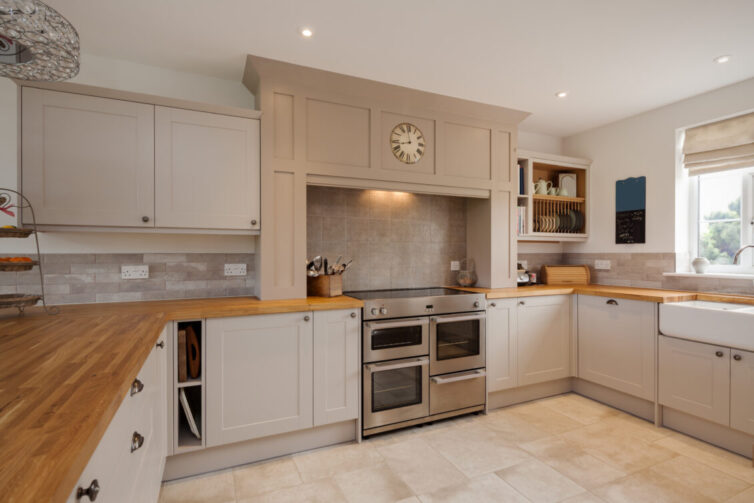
{"points": [[226, 456], [513, 396], [716, 434], [627, 403]]}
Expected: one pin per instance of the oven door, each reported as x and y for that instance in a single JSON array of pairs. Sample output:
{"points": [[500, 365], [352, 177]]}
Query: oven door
{"points": [[457, 342], [389, 340], [395, 391]]}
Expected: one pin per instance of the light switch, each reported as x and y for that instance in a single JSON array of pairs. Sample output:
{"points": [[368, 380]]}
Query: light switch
{"points": [[455, 265]]}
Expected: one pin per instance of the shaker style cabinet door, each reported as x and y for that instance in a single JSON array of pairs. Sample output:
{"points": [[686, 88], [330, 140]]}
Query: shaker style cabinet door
{"points": [[336, 365], [259, 376], [617, 344], [86, 160], [742, 391], [206, 170], [695, 378], [544, 339], [501, 344]]}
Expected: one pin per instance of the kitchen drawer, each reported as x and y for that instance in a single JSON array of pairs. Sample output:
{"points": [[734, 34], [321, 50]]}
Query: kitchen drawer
{"points": [[457, 391]]}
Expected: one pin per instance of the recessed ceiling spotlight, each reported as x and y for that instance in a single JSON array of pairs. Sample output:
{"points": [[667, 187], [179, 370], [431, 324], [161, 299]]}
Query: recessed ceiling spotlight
{"points": [[306, 32], [722, 59], [561, 94]]}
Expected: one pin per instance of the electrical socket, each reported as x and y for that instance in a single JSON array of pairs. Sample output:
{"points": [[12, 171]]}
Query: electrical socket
{"points": [[134, 272], [602, 265], [235, 269], [455, 265]]}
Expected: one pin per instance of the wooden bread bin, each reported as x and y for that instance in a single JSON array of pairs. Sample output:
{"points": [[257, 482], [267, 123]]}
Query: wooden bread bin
{"points": [[565, 275]]}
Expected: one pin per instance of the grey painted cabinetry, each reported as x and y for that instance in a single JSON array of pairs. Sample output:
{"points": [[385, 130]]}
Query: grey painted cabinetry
{"points": [[616, 340], [742, 391], [544, 339], [502, 372]]}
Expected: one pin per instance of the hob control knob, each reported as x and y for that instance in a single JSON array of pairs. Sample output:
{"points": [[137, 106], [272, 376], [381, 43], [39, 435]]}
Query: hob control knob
{"points": [[477, 304], [375, 311], [383, 310]]}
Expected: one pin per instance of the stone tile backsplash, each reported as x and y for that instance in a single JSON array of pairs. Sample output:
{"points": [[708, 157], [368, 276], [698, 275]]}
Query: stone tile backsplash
{"points": [[643, 270], [396, 239], [88, 277]]}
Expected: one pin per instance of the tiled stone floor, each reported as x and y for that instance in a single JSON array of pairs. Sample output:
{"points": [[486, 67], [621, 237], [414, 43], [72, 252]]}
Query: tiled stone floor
{"points": [[566, 448]]}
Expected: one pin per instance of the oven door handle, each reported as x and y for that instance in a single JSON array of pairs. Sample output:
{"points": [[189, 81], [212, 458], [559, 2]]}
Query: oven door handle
{"points": [[451, 319], [381, 367], [462, 377], [413, 322]]}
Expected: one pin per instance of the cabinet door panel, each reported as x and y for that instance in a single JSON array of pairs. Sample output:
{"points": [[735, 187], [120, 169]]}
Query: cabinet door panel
{"points": [[544, 336], [87, 160], [501, 345], [259, 376], [694, 379], [206, 170], [742, 391], [616, 344], [336, 366]]}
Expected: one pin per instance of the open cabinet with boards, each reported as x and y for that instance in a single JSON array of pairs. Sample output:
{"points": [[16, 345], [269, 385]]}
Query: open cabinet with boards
{"points": [[189, 386]]}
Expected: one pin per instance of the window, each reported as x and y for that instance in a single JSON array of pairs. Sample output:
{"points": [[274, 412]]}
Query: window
{"points": [[722, 205]]}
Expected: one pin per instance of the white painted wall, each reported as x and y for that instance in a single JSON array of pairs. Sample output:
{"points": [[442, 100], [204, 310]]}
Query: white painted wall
{"points": [[539, 142], [645, 144], [128, 76]]}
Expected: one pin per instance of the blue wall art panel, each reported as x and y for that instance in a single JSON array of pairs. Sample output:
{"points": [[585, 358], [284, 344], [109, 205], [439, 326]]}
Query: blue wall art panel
{"points": [[630, 210]]}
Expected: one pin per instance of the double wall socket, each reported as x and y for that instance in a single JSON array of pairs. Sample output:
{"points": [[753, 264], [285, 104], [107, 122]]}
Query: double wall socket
{"points": [[455, 265], [134, 272], [602, 265], [235, 269]]}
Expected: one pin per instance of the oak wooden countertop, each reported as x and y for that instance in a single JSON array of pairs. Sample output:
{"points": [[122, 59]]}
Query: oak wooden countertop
{"points": [[63, 377], [619, 292]]}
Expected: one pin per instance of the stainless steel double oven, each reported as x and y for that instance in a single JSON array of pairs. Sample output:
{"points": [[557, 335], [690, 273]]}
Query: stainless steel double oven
{"points": [[421, 368]]}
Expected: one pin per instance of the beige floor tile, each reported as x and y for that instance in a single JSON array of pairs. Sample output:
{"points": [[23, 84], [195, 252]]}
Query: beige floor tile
{"points": [[215, 487], [544, 418], [570, 460], [701, 478], [376, 484], [513, 428], [487, 488], [412, 499], [420, 466], [584, 498], [540, 483], [580, 408], [330, 461], [263, 477], [319, 491], [475, 449], [623, 426], [649, 486], [712, 456], [745, 497]]}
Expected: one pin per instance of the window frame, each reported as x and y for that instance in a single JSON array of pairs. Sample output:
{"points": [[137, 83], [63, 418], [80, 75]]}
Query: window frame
{"points": [[747, 223]]}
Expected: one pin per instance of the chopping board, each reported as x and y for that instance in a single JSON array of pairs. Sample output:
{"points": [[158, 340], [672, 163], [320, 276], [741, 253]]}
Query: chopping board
{"points": [[182, 355], [192, 352]]}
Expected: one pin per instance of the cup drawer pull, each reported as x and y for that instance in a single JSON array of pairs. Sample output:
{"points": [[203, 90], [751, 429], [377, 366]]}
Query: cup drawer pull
{"points": [[136, 387], [137, 440]]}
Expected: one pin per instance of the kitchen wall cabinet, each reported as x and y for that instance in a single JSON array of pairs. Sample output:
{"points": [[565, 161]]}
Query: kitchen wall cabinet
{"points": [[129, 460], [336, 366], [616, 340], [742, 391], [695, 378], [501, 345], [259, 376], [87, 161], [544, 339], [206, 170]]}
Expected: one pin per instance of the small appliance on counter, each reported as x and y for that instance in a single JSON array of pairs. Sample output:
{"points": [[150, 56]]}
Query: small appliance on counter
{"points": [[524, 277]]}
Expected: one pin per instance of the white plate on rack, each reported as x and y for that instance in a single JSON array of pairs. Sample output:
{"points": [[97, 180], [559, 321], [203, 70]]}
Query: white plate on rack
{"points": [[567, 182]]}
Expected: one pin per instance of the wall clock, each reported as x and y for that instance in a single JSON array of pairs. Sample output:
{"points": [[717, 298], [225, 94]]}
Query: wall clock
{"points": [[407, 143]]}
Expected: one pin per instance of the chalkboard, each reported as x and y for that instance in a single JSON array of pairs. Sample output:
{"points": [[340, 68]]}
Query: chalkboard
{"points": [[630, 210]]}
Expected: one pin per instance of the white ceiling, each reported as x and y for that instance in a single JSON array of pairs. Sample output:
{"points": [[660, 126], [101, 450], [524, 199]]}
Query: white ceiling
{"points": [[614, 58]]}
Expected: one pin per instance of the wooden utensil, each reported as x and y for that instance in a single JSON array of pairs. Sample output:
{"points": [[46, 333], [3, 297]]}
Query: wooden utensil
{"points": [[193, 353], [182, 363]]}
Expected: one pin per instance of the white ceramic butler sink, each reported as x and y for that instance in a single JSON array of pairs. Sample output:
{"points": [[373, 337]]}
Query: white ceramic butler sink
{"points": [[720, 323]]}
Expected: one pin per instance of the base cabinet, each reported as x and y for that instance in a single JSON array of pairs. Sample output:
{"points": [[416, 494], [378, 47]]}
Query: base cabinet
{"points": [[742, 391], [501, 334], [259, 376], [544, 339], [616, 340], [695, 378]]}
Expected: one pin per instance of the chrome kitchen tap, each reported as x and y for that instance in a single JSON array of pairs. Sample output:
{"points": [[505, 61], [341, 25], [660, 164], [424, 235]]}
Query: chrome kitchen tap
{"points": [[740, 251]]}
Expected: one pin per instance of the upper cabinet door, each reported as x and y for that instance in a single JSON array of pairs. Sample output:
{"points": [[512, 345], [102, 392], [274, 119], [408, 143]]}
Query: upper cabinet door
{"points": [[206, 170], [86, 160]]}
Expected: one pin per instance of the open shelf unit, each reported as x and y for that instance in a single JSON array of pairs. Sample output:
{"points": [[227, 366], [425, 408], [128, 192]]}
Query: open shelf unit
{"points": [[545, 217], [194, 388]]}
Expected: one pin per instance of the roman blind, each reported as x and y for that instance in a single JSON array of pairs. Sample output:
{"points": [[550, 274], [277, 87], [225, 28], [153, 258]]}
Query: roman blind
{"points": [[720, 146]]}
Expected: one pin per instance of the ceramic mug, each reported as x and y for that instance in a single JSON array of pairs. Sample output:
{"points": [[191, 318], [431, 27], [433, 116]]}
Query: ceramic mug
{"points": [[554, 191], [542, 186]]}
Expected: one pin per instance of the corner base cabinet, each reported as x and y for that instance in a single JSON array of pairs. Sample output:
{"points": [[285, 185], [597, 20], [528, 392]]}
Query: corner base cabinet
{"points": [[617, 344]]}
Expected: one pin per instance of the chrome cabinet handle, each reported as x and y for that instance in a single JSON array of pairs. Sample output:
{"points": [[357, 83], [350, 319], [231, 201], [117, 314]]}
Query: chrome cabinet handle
{"points": [[353, 315], [612, 302], [253, 222], [521, 302], [492, 304], [90, 492], [381, 367], [137, 440], [307, 318], [136, 387], [160, 344], [719, 354], [737, 358], [464, 377], [145, 219]]}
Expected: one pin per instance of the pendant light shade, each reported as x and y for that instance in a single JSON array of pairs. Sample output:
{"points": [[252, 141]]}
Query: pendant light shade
{"points": [[36, 43]]}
